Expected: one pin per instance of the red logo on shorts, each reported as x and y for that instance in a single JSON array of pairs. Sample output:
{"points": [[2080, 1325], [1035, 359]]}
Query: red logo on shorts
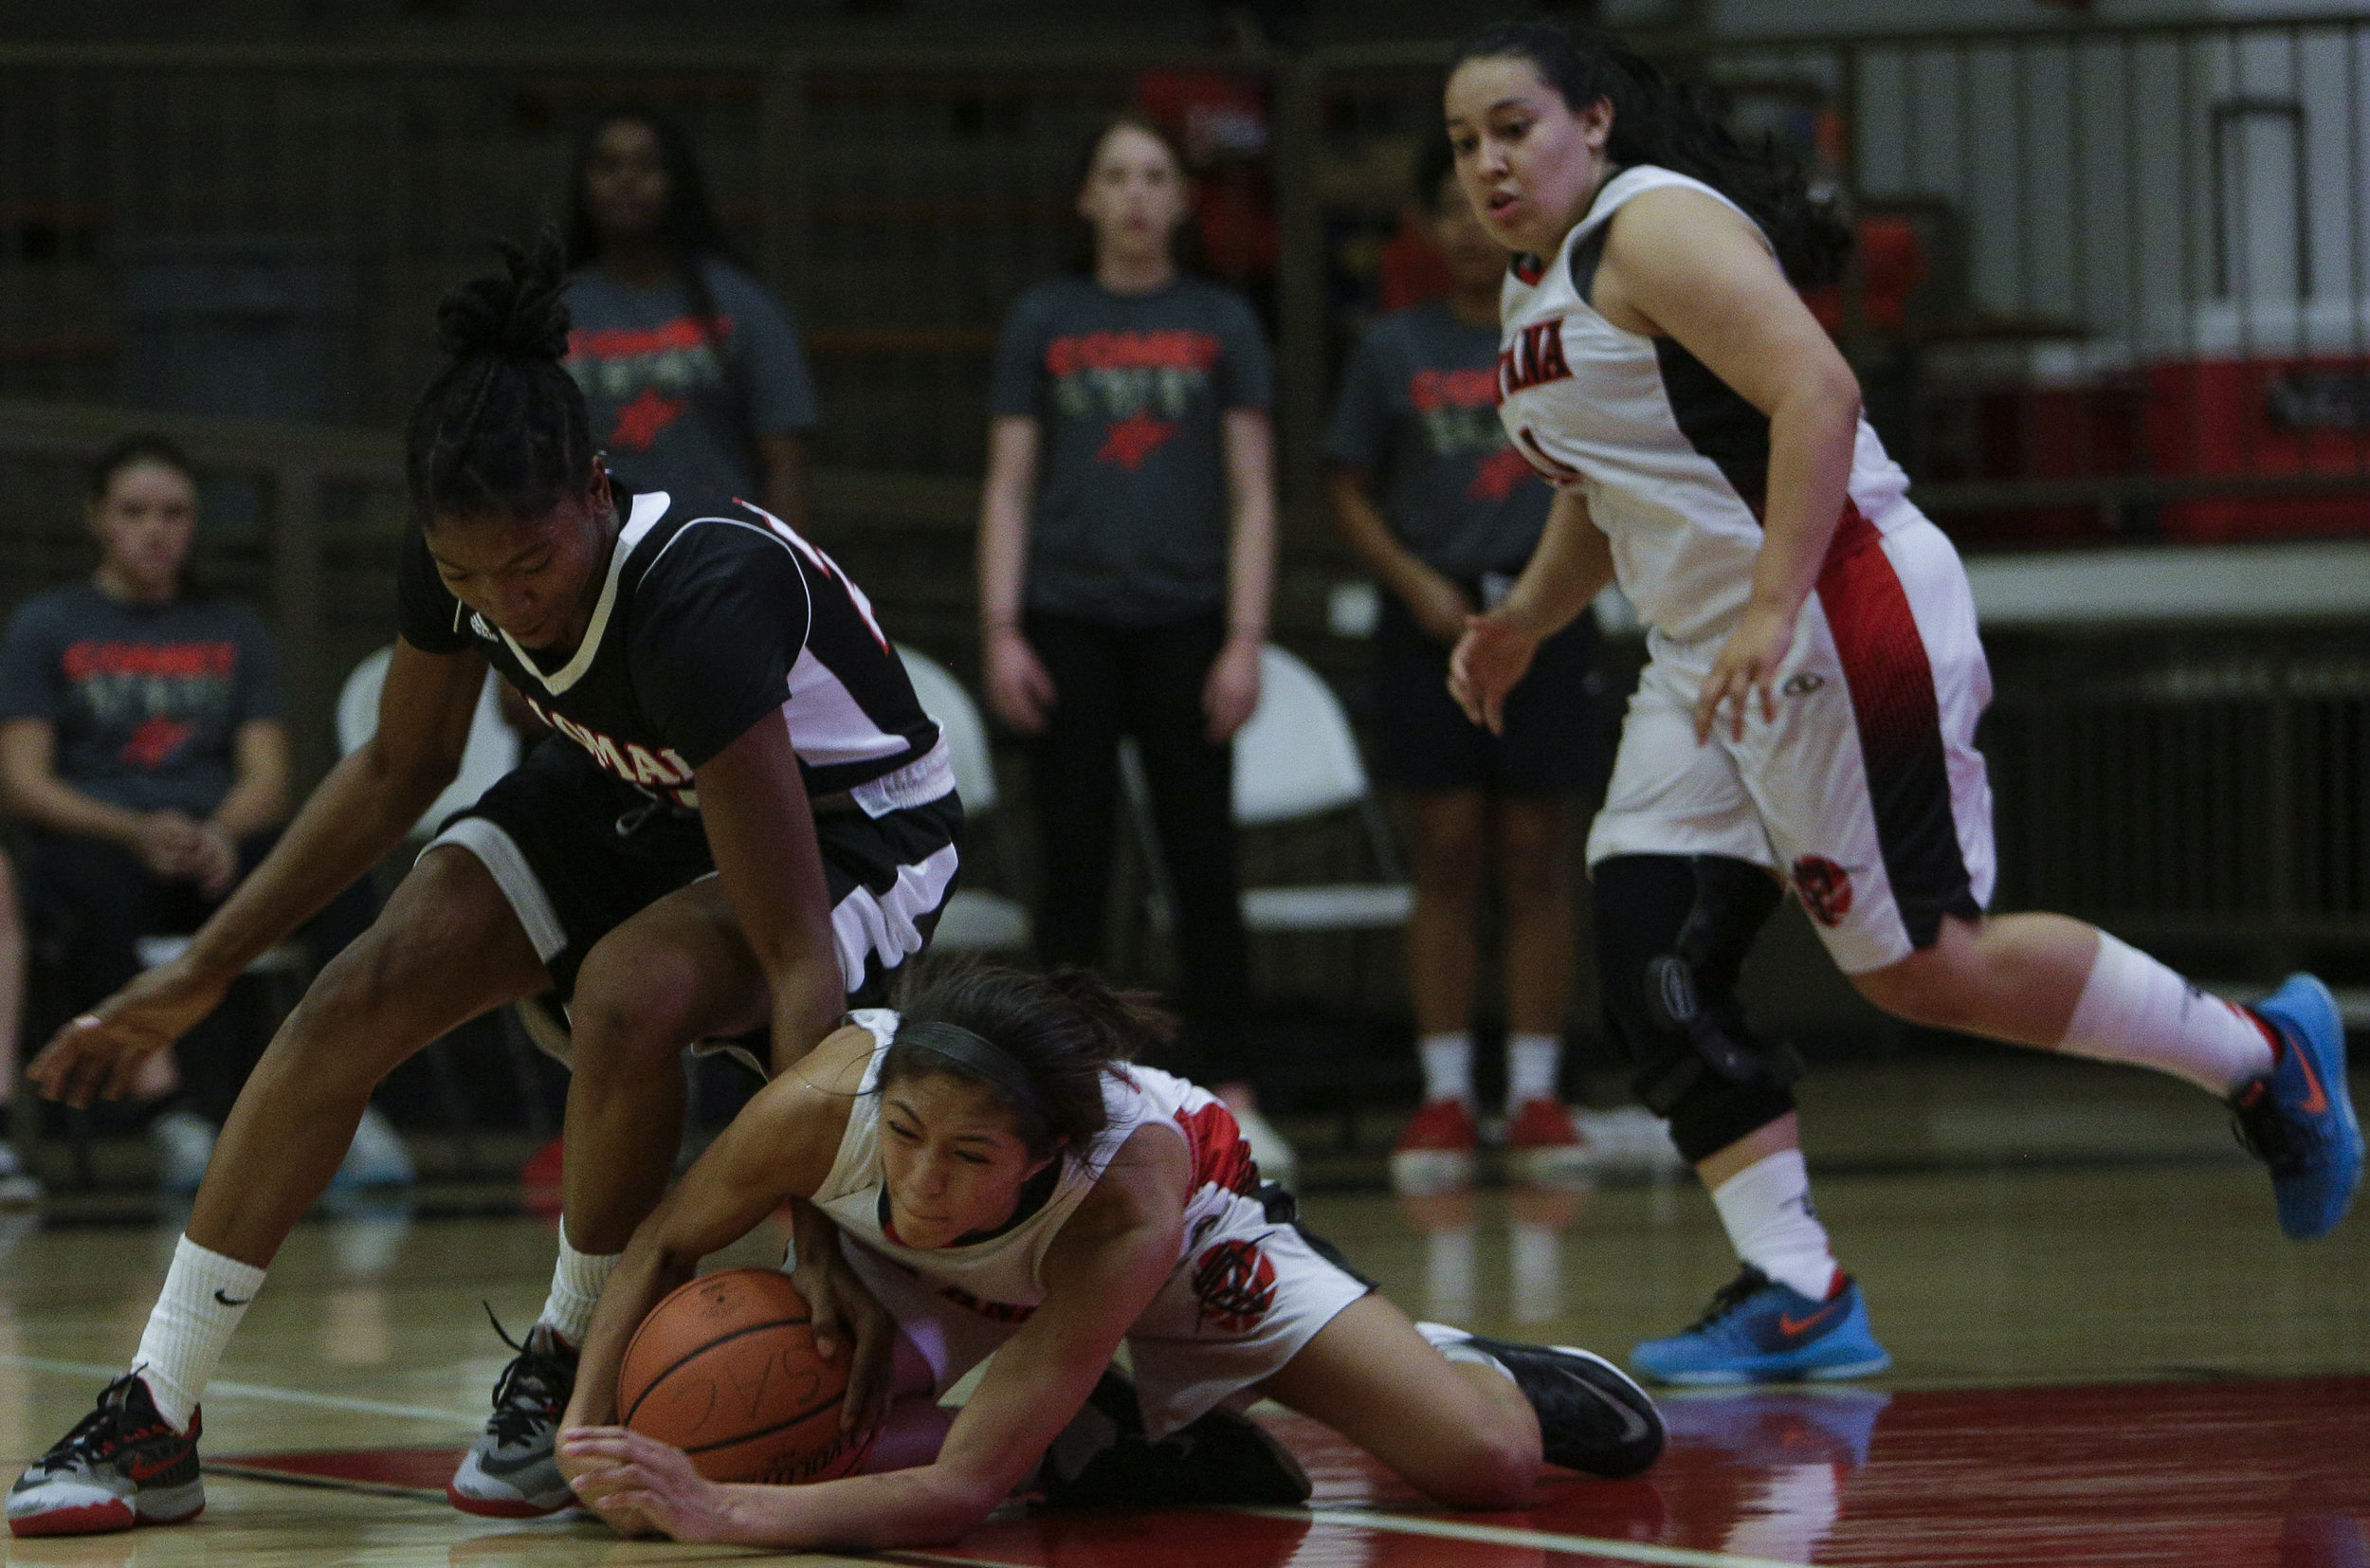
{"points": [[1824, 887], [1235, 1284]]}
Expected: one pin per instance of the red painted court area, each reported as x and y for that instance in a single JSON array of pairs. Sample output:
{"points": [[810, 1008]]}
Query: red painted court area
{"points": [[2216, 1474]]}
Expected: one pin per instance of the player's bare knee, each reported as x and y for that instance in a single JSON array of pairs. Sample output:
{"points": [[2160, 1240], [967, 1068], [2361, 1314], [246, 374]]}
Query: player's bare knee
{"points": [[366, 989], [1490, 1466], [627, 1022], [1918, 990]]}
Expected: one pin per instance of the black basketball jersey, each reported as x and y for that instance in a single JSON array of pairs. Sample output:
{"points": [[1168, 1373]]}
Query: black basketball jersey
{"points": [[714, 613]]}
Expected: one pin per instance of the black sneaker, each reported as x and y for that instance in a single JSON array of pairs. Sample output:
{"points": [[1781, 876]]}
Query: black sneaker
{"points": [[1591, 1415], [1103, 1460], [122, 1465], [512, 1470]]}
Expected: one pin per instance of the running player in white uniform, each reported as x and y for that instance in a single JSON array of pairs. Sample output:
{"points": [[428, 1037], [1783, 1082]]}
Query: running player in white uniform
{"points": [[1004, 1182], [1809, 711], [744, 820]]}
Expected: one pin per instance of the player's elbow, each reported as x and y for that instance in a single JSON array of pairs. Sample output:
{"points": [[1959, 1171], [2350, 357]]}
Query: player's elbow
{"points": [[1830, 391]]}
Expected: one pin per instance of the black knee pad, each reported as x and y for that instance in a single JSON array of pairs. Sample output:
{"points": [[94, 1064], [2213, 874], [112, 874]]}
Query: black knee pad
{"points": [[1672, 935]]}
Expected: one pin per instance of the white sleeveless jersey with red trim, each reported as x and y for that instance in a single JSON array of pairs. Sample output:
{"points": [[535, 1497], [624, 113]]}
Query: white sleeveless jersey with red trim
{"points": [[1673, 462], [996, 1276]]}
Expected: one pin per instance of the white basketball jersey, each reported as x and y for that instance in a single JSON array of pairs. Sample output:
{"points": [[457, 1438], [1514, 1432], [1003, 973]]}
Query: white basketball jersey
{"points": [[1672, 461], [995, 1276]]}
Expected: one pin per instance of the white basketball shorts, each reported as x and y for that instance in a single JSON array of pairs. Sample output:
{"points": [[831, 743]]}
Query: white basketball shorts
{"points": [[1249, 1293], [1866, 792]]}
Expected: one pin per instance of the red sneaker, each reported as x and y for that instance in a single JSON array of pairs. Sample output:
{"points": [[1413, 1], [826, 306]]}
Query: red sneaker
{"points": [[1435, 1151], [1543, 1146]]}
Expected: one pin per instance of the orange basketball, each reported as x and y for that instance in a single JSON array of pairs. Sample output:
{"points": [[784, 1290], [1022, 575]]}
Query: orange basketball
{"points": [[725, 1369]]}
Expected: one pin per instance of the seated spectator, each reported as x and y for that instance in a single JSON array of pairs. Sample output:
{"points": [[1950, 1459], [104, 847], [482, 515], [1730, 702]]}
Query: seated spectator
{"points": [[141, 741], [17, 1186]]}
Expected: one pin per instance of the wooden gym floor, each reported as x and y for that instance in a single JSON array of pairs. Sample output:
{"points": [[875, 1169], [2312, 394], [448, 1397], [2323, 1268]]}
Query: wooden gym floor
{"points": [[2106, 1355]]}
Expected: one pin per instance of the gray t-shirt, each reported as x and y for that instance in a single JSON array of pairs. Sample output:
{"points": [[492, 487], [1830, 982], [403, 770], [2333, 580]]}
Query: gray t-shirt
{"points": [[146, 700], [1129, 390], [1418, 409], [672, 412]]}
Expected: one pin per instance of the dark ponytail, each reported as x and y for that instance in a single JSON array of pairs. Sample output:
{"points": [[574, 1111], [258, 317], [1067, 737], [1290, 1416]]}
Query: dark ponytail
{"points": [[1669, 123], [1065, 1030], [501, 430]]}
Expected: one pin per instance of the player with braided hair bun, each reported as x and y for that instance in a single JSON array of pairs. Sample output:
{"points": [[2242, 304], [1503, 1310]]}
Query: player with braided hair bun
{"points": [[744, 821]]}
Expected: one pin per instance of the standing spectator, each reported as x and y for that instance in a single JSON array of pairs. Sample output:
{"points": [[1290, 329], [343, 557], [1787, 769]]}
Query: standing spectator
{"points": [[141, 739], [691, 373], [1438, 505], [17, 1186], [1126, 553]]}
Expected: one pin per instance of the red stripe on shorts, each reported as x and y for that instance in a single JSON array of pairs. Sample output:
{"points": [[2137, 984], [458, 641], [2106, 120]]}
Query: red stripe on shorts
{"points": [[1901, 730]]}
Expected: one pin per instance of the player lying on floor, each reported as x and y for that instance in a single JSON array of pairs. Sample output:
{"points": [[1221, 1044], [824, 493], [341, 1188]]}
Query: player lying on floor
{"points": [[1003, 1182]]}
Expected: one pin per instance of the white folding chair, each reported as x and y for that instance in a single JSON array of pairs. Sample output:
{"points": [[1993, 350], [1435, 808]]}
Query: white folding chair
{"points": [[492, 750], [974, 920]]}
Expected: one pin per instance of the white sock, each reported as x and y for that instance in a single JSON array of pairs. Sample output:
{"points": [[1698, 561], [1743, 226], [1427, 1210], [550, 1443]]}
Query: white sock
{"points": [[1534, 1063], [205, 1296], [2135, 1010], [1457, 1344], [1766, 1210], [576, 1282], [1448, 1065]]}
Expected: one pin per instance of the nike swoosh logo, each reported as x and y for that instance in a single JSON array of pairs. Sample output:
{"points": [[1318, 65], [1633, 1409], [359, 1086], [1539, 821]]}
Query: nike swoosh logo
{"points": [[1793, 1327], [231, 1301], [2317, 1101], [1632, 1424]]}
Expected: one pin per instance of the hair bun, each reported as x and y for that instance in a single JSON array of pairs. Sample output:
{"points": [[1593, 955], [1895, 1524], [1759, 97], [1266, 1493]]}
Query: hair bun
{"points": [[523, 316]]}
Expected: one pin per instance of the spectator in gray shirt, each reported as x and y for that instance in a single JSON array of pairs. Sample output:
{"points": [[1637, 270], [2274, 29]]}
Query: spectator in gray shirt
{"points": [[1127, 550], [691, 372], [144, 750]]}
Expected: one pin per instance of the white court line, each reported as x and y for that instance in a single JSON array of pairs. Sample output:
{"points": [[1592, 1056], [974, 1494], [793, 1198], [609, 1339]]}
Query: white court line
{"points": [[1499, 1535], [225, 1389]]}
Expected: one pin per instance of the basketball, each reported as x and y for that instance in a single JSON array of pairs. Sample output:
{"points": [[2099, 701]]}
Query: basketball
{"points": [[725, 1369]]}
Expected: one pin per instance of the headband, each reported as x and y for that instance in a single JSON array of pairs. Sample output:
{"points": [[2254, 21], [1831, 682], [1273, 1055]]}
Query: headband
{"points": [[979, 1055]]}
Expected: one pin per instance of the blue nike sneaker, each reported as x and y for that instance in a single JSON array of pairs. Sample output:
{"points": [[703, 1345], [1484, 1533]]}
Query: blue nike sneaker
{"points": [[2299, 1118], [1759, 1331]]}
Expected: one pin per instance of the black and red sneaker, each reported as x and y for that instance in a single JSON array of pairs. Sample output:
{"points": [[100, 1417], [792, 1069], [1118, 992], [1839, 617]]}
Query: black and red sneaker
{"points": [[122, 1465]]}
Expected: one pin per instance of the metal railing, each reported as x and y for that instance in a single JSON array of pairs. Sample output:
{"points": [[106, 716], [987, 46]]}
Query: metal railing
{"points": [[2057, 343], [2113, 278]]}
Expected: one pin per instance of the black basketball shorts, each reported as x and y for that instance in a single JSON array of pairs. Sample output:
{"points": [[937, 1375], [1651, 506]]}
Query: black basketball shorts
{"points": [[578, 853], [1555, 741]]}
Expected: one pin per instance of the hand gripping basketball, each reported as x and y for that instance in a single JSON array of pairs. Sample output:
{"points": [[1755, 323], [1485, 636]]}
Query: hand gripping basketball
{"points": [[725, 1369], [851, 1329]]}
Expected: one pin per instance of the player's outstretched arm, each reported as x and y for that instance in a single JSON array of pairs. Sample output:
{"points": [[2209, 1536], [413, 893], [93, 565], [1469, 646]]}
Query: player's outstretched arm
{"points": [[1101, 1271], [359, 813], [1571, 565], [780, 1147], [760, 829]]}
